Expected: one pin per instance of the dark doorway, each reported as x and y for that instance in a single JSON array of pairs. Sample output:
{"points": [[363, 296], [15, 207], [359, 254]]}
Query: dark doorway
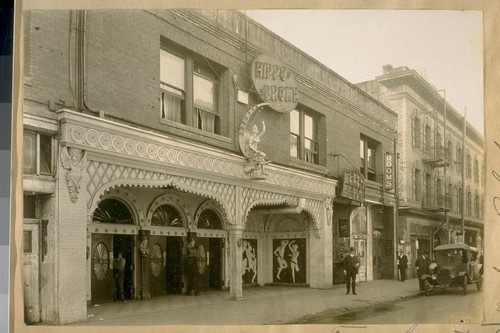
{"points": [[215, 263], [125, 245], [173, 273]]}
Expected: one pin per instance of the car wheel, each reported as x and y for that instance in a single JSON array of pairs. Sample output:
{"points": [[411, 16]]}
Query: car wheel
{"points": [[464, 284], [479, 283], [426, 288]]}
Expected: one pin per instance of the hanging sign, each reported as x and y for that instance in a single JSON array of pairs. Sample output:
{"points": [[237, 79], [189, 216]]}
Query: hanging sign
{"points": [[275, 83], [388, 172]]}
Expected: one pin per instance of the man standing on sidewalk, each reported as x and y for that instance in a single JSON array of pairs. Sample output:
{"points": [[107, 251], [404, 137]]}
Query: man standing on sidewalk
{"points": [[422, 265], [118, 273], [402, 265], [351, 264]]}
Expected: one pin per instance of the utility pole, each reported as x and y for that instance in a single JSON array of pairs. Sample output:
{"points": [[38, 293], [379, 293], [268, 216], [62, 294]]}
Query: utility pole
{"points": [[464, 132]]}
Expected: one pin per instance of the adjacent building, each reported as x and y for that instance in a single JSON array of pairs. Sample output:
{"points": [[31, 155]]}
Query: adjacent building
{"points": [[146, 129], [440, 161]]}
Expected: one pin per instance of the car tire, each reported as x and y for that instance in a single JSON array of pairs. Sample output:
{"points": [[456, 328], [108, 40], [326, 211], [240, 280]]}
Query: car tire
{"points": [[479, 283], [464, 284]]}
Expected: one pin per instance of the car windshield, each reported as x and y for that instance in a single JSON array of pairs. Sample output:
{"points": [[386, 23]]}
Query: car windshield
{"points": [[449, 257]]}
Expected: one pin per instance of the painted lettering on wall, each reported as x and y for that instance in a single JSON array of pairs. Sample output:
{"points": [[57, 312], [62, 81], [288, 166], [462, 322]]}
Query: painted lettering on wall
{"points": [[275, 83], [389, 172]]}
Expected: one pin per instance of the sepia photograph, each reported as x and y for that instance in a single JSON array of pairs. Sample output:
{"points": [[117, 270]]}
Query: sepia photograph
{"points": [[306, 167]]}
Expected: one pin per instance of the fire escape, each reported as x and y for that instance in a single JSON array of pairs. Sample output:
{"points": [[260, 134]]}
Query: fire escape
{"points": [[437, 158]]}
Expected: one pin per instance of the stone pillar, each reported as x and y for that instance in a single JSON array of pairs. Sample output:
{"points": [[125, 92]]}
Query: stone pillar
{"points": [[71, 237], [321, 254], [236, 253]]}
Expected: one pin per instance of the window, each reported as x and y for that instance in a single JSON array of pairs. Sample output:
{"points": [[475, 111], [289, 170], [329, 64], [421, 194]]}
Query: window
{"points": [[428, 139], [37, 153], [189, 91], [417, 185], [368, 158], [428, 190], [416, 137], [459, 158], [449, 197], [476, 205], [439, 147], [468, 203], [439, 191], [449, 149], [303, 136], [476, 169], [468, 165]]}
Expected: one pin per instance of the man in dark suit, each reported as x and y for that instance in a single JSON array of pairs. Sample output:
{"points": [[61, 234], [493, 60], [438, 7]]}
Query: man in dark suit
{"points": [[402, 265], [422, 265], [351, 264]]}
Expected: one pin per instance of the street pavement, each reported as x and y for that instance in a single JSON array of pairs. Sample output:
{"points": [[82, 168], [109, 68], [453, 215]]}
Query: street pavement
{"points": [[260, 305]]}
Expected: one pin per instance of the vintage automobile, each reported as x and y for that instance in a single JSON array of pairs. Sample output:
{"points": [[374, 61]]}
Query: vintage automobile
{"points": [[454, 265]]}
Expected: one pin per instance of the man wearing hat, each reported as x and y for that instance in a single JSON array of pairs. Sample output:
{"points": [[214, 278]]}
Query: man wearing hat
{"points": [[422, 264], [351, 264]]}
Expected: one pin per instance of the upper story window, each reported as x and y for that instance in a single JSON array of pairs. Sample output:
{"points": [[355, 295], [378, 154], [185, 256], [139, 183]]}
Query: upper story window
{"points": [[37, 153], [416, 132], [476, 169], [189, 91], [428, 139], [304, 136], [368, 153], [449, 149], [459, 158]]}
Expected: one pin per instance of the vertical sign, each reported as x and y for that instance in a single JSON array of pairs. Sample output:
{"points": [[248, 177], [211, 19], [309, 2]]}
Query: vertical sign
{"points": [[388, 172]]}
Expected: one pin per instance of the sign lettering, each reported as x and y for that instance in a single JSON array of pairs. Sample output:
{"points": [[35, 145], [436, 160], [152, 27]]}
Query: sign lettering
{"points": [[388, 172], [274, 83]]}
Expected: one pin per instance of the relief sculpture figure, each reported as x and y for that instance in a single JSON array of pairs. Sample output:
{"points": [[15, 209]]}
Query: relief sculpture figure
{"points": [[256, 158]]}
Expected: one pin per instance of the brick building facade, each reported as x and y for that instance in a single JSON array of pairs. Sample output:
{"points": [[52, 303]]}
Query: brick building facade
{"points": [[431, 163], [145, 129]]}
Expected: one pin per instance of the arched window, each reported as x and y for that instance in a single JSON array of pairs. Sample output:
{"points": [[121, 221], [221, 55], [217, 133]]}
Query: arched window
{"points": [[112, 211], [167, 216], [209, 219]]}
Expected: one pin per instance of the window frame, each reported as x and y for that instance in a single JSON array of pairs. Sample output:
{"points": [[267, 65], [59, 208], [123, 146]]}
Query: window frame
{"points": [[192, 115], [370, 172], [301, 138], [36, 152]]}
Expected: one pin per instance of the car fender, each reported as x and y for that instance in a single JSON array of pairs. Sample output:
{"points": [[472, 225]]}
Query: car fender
{"points": [[462, 273]]}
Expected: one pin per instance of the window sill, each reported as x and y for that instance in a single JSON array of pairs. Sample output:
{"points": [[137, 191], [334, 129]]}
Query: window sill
{"points": [[202, 135], [296, 162]]}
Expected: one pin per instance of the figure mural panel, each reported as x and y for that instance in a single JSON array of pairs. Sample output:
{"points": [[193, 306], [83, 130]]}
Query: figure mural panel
{"points": [[249, 261], [289, 264]]}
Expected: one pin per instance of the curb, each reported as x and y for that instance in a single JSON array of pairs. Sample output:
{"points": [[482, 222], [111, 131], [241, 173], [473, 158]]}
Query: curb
{"points": [[339, 311]]}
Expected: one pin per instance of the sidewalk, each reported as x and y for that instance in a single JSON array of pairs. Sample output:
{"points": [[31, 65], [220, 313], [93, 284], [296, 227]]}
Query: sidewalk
{"points": [[261, 305]]}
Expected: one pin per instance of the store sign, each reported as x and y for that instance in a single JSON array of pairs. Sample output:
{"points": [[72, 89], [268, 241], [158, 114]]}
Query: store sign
{"points": [[389, 172], [353, 185], [275, 83]]}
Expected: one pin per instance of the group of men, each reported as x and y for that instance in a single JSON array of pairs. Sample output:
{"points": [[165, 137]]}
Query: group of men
{"points": [[351, 265]]}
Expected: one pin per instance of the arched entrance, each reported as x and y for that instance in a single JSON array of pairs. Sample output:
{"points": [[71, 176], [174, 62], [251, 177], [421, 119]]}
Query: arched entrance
{"points": [[211, 238], [166, 249], [106, 242]]}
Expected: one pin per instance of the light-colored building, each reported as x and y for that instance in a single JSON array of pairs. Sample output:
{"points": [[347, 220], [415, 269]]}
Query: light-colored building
{"points": [[430, 159]]}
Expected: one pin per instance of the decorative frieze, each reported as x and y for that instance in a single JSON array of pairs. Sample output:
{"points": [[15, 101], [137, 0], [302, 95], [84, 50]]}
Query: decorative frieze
{"points": [[99, 135]]}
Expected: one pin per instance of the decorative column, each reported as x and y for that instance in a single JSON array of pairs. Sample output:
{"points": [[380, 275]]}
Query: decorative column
{"points": [[144, 253], [321, 263], [235, 253]]}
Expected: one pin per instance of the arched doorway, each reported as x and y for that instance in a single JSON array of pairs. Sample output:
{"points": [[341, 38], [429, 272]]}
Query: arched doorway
{"points": [[210, 235], [166, 255], [105, 244]]}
